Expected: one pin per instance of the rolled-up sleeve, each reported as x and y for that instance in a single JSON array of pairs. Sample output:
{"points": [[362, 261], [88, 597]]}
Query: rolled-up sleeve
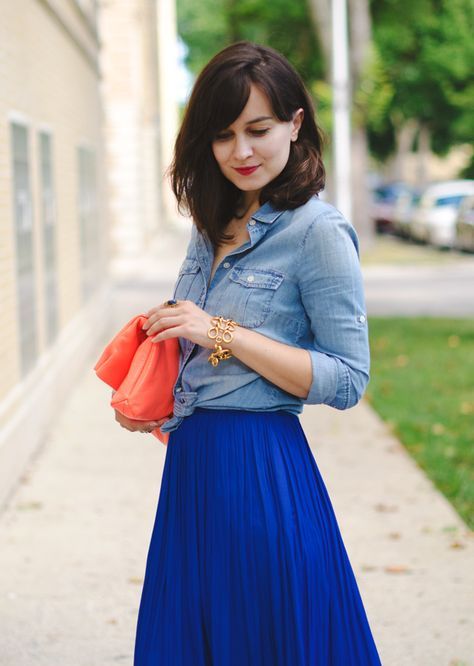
{"points": [[332, 293]]}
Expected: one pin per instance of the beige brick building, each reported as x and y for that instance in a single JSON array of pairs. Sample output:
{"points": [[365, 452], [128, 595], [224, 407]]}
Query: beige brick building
{"points": [[87, 121]]}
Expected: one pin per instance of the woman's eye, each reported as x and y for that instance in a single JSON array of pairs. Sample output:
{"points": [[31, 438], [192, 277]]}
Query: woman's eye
{"points": [[259, 132], [225, 136], [222, 137]]}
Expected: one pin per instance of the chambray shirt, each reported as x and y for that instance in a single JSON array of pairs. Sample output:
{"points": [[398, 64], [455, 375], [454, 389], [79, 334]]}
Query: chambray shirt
{"points": [[297, 280]]}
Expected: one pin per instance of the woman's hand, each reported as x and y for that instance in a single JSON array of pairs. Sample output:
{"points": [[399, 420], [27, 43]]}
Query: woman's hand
{"points": [[185, 320], [138, 426]]}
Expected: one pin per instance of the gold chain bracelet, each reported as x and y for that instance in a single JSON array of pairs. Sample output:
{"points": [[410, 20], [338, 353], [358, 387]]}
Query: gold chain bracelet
{"points": [[222, 331]]}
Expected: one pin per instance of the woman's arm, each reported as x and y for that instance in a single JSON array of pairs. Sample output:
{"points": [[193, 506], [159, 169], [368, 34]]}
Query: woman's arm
{"points": [[332, 293], [286, 366]]}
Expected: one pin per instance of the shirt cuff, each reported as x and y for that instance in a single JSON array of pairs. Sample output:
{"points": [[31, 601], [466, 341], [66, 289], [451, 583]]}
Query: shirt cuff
{"points": [[331, 381]]}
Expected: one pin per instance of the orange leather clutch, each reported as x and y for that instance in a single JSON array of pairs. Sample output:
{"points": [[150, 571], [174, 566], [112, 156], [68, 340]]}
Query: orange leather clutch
{"points": [[142, 373]]}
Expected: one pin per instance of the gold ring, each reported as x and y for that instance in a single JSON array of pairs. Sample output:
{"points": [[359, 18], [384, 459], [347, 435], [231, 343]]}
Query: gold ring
{"points": [[171, 303]]}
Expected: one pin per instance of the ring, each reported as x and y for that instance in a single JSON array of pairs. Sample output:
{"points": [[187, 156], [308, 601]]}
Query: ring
{"points": [[171, 303]]}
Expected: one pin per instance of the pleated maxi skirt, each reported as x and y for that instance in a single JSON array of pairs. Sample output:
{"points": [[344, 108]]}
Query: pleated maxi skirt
{"points": [[246, 564]]}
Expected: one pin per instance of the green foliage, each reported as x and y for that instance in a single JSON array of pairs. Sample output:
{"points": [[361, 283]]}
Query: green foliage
{"points": [[374, 97], [421, 384], [426, 49], [207, 26]]}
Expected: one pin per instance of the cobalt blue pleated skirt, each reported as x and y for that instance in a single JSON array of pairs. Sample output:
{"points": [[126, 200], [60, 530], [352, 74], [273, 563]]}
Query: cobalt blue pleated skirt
{"points": [[246, 564]]}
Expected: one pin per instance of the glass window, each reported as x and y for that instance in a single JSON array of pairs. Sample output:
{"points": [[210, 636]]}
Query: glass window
{"points": [[88, 222], [453, 200], [25, 269], [48, 220]]}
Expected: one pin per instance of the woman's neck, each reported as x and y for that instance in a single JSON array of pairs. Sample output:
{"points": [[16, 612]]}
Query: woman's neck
{"points": [[248, 206]]}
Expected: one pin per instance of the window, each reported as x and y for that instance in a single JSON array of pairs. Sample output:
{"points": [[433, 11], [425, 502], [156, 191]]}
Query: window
{"points": [[25, 269], [88, 222], [48, 223]]}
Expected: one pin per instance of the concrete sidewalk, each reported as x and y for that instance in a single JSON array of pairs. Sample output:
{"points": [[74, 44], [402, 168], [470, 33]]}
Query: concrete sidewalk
{"points": [[74, 537]]}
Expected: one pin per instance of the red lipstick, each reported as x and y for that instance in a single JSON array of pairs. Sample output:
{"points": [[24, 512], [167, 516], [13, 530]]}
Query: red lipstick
{"points": [[246, 171]]}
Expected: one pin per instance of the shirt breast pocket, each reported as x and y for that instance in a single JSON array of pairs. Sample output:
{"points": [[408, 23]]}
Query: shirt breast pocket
{"points": [[188, 286], [251, 294]]}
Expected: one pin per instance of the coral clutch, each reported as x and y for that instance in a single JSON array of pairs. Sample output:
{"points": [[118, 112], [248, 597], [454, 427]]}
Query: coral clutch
{"points": [[142, 373]]}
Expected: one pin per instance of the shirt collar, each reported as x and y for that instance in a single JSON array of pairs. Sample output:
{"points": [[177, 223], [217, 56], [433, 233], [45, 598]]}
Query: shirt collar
{"points": [[267, 213]]}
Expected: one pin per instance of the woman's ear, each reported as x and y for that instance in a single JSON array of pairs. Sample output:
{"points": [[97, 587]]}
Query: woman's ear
{"points": [[296, 123]]}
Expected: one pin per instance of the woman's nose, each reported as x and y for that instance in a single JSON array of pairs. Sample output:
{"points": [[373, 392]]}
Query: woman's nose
{"points": [[242, 148]]}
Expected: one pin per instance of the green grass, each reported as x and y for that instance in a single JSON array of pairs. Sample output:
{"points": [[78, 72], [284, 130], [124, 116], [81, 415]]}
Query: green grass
{"points": [[422, 385]]}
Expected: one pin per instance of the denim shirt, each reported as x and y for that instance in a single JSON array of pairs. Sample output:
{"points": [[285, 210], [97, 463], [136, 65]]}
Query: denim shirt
{"points": [[297, 280]]}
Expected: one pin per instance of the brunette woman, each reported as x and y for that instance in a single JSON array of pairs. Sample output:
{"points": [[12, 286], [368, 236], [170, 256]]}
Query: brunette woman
{"points": [[246, 565]]}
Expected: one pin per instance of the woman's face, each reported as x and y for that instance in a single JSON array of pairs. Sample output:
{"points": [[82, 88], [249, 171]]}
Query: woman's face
{"points": [[255, 148]]}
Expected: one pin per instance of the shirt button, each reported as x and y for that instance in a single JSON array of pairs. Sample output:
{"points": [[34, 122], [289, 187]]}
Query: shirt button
{"points": [[226, 264], [252, 223], [250, 278], [178, 389], [361, 319]]}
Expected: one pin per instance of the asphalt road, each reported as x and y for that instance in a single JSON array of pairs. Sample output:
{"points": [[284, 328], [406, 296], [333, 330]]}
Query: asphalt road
{"points": [[432, 290]]}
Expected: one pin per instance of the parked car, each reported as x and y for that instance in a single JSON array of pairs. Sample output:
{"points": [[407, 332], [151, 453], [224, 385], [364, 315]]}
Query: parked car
{"points": [[384, 199], [404, 210], [465, 225], [435, 216]]}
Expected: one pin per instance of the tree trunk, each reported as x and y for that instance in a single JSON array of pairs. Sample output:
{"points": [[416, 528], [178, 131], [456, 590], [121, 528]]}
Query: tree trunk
{"points": [[405, 136], [321, 15], [423, 155]]}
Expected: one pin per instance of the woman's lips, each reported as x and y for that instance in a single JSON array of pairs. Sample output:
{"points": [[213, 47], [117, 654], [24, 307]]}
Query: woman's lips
{"points": [[246, 171]]}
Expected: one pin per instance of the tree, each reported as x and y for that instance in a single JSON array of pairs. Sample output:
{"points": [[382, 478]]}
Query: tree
{"points": [[209, 25], [425, 61]]}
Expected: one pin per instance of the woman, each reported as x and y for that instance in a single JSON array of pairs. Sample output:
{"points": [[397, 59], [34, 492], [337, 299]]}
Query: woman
{"points": [[246, 564]]}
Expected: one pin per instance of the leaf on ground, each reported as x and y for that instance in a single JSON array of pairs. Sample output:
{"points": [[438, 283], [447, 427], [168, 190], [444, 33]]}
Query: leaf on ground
{"points": [[385, 508], [454, 341], [368, 567], [135, 580], [450, 528], [438, 429], [397, 568], [28, 506], [402, 360], [457, 544]]}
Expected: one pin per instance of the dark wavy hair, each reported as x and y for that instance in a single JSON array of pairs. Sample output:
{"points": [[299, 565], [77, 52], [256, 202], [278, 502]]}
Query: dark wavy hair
{"points": [[218, 97]]}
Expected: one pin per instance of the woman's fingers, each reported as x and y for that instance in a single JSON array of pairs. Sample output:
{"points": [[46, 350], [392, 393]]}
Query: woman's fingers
{"points": [[159, 310], [137, 426], [170, 332], [163, 322]]}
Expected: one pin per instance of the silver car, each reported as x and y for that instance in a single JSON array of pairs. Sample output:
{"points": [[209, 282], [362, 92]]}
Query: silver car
{"points": [[434, 219]]}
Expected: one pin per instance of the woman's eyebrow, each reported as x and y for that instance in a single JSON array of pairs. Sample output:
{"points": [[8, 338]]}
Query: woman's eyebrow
{"points": [[259, 119]]}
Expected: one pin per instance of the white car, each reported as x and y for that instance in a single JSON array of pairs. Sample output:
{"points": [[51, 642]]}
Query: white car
{"points": [[434, 220]]}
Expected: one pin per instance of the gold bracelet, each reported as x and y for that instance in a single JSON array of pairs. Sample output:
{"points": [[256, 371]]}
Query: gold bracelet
{"points": [[222, 331]]}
